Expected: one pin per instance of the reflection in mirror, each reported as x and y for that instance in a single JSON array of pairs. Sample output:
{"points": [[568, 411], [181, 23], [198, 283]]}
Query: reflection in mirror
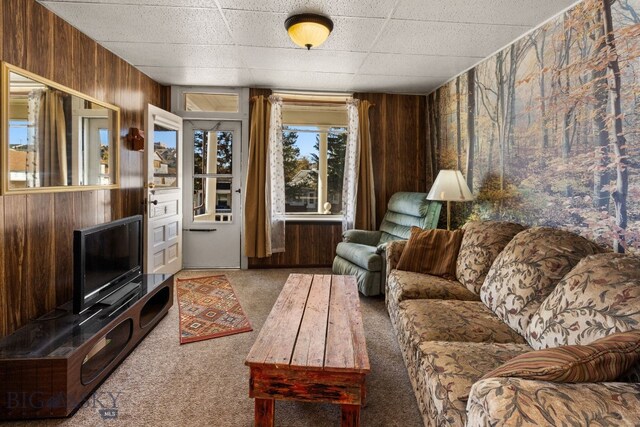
{"points": [[56, 138]]}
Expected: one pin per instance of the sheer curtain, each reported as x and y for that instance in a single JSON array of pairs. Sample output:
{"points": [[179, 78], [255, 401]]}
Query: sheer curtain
{"points": [[351, 162], [275, 181]]}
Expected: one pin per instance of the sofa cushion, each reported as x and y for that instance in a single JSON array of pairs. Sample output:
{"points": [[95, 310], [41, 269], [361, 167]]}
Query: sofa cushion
{"points": [[481, 244], [431, 252], [403, 285], [449, 320], [526, 403], [603, 360], [600, 296], [449, 369], [527, 271], [361, 255]]}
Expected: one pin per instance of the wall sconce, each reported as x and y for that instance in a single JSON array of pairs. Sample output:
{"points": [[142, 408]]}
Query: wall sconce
{"points": [[135, 137]]}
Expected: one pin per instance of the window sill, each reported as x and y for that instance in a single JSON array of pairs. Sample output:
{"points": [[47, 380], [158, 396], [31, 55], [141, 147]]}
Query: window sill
{"points": [[313, 218]]}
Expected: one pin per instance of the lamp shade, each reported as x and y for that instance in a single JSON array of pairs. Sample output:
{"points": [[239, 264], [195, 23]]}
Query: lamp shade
{"points": [[451, 186], [308, 29]]}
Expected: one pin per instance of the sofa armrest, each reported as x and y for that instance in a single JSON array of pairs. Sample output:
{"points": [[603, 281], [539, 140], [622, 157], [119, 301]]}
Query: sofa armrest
{"points": [[393, 253], [363, 237], [515, 401]]}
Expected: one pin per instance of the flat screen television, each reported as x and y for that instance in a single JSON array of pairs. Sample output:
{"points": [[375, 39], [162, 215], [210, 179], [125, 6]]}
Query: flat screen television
{"points": [[106, 257]]}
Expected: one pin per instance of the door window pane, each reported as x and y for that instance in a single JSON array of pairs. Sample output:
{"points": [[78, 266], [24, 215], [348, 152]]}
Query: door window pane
{"points": [[213, 152], [165, 159], [212, 200]]}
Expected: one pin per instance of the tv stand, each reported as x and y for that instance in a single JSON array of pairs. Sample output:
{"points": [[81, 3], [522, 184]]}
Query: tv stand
{"points": [[49, 367]]}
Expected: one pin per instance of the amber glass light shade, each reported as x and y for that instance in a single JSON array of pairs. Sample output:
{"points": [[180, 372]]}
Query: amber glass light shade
{"points": [[308, 29]]}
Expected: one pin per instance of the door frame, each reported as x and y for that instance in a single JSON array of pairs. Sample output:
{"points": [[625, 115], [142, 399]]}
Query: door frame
{"points": [[178, 108]]}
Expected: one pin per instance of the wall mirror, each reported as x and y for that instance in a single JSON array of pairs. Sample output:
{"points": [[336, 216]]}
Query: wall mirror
{"points": [[54, 138]]}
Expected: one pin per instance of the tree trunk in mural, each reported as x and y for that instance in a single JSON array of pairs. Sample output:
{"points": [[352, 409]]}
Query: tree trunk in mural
{"points": [[601, 177], [471, 124], [619, 147], [539, 46], [567, 120], [458, 126]]}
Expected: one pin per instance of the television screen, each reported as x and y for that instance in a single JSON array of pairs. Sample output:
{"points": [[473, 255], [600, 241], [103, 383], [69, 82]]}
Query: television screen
{"points": [[106, 257]]}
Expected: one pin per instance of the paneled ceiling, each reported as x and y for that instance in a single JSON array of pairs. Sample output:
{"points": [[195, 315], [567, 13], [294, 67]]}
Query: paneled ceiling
{"points": [[398, 46]]}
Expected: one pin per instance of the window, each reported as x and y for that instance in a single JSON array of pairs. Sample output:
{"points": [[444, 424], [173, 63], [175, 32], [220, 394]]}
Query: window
{"points": [[212, 102], [313, 168]]}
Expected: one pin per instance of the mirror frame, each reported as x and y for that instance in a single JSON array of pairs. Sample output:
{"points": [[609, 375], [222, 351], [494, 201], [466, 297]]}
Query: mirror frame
{"points": [[4, 137]]}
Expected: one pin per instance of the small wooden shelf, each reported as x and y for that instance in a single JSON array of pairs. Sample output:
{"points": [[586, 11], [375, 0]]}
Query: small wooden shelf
{"points": [[52, 364]]}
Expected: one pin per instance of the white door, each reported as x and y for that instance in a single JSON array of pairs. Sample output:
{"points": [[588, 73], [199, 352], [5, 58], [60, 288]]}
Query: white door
{"points": [[163, 213], [212, 194]]}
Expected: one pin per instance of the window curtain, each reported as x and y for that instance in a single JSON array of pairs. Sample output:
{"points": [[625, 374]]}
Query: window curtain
{"points": [[351, 163], [366, 196], [257, 242], [275, 181], [47, 154]]}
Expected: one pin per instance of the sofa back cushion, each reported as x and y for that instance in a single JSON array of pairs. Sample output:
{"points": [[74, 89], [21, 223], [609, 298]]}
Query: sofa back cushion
{"points": [[406, 210], [600, 296], [528, 269], [481, 244]]}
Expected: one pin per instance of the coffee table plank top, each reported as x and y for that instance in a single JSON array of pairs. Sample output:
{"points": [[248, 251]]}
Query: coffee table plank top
{"points": [[315, 324], [310, 347]]}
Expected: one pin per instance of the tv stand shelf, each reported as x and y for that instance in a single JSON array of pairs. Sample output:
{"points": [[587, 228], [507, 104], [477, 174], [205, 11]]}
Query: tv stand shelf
{"points": [[51, 365]]}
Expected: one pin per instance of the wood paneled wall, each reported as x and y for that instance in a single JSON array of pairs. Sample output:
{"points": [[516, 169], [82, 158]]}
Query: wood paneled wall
{"points": [[307, 244], [400, 152], [36, 230], [399, 145]]}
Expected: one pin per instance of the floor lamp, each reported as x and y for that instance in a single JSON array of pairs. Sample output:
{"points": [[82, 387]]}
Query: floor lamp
{"points": [[450, 186]]}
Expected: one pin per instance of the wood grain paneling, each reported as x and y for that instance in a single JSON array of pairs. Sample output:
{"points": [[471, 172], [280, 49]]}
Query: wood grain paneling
{"points": [[307, 245], [399, 145], [37, 230]]}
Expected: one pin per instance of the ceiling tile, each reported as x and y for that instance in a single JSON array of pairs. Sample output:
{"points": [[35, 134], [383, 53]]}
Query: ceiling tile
{"points": [[267, 29], [515, 12], [332, 8], [110, 22], [394, 84], [416, 65], [302, 59], [174, 3], [438, 38], [184, 55], [189, 76], [301, 80]]}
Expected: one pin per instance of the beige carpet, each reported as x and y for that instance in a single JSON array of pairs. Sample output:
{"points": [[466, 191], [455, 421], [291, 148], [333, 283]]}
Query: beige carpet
{"points": [[206, 383]]}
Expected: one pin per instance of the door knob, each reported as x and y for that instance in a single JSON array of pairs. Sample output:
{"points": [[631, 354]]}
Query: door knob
{"points": [[154, 202], [151, 185], [238, 190]]}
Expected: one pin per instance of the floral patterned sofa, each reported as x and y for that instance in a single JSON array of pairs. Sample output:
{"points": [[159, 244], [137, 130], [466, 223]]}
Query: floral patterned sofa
{"points": [[516, 291]]}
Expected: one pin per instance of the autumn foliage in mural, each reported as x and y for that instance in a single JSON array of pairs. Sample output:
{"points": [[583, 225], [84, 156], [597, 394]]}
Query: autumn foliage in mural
{"points": [[546, 131]]}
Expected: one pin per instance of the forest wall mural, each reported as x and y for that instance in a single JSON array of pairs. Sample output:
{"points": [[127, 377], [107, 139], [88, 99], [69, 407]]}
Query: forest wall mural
{"points": [[547, 130]]}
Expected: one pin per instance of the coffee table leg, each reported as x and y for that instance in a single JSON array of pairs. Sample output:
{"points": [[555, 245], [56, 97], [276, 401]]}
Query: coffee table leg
{"points": [[264, 412], [350, 415]]}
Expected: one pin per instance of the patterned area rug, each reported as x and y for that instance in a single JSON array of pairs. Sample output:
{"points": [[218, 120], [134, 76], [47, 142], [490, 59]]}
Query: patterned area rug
{"points": [[209, 309]]}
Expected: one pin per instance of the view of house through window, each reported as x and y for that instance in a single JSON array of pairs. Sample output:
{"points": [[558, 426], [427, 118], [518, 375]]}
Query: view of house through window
{"points": [[313, 168]]}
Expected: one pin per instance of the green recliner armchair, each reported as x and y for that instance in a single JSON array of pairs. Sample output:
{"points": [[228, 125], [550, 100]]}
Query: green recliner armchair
{"points": [[361, 253]]}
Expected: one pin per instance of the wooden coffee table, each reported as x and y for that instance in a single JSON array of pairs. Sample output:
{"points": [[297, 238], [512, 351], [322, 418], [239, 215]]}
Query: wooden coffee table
{"points": [[311, 348]]}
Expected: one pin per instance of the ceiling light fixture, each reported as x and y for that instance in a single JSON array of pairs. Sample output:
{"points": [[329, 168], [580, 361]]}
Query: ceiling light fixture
{"points": [[308, 29]]}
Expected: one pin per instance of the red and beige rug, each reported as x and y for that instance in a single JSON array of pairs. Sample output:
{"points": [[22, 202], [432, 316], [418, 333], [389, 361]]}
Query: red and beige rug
{"points": [[209, 309]]}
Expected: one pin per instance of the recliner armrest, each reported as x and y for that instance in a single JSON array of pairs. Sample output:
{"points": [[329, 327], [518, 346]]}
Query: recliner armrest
{"points": [[516, 401], [363, 237]]}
